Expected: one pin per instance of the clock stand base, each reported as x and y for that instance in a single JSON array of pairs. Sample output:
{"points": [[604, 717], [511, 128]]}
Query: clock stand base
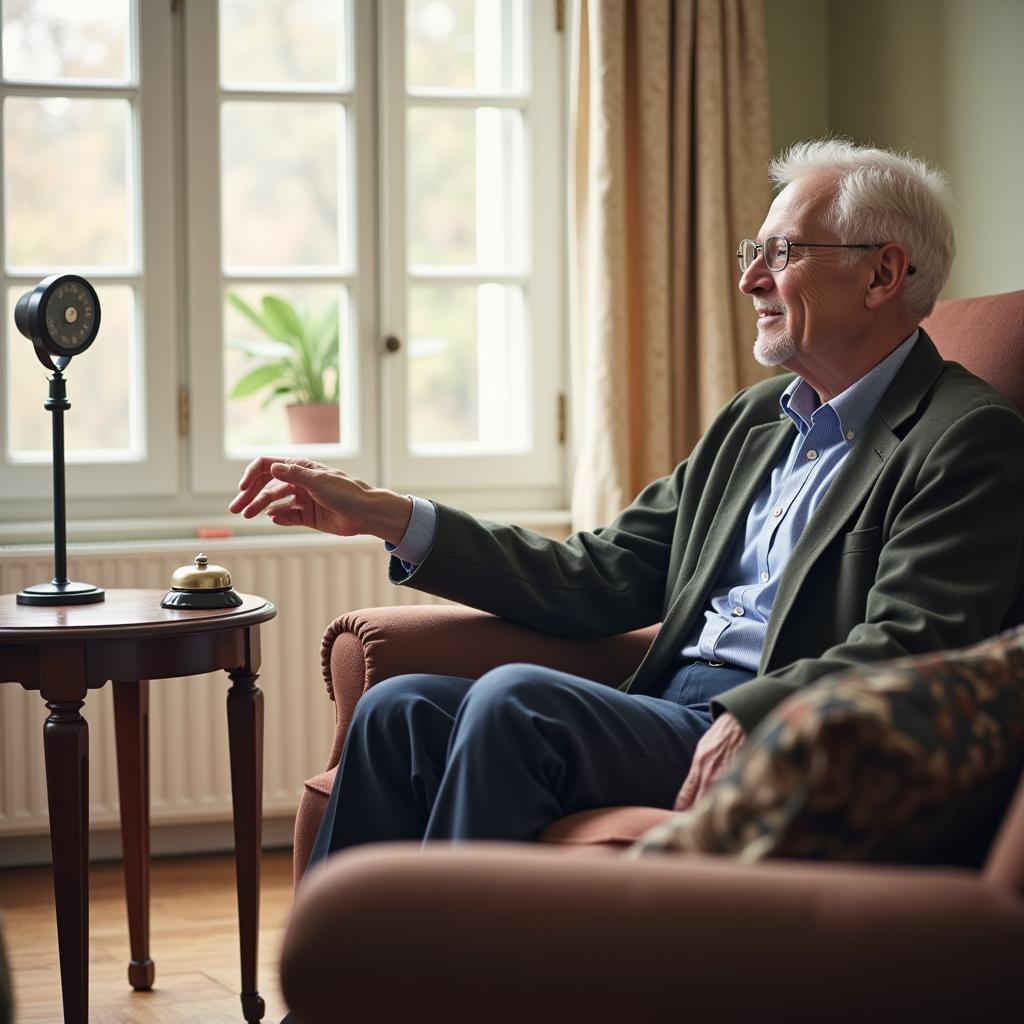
{"points": [[68, 592]]}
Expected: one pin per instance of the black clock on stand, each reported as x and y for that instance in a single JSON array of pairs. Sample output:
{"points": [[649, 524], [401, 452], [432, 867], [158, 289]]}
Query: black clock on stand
{"points": [[61, 317]]}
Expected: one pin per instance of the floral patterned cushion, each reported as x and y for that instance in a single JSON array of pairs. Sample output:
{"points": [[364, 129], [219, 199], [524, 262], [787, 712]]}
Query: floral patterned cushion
{"points": [[908, 760]]}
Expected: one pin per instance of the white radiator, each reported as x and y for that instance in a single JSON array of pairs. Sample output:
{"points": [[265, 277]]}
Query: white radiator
{"points": [[310, 579]]}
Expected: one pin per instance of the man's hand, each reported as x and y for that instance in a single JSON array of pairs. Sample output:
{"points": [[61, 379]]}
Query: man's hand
{"points": [[716, 749], [298, 492]]}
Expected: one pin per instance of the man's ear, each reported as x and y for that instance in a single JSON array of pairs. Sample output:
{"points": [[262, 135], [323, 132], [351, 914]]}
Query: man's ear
{"points": [[891, 266]]}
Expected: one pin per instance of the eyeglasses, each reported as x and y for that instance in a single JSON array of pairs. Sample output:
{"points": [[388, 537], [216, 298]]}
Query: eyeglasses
{"points": [[776, 251]]}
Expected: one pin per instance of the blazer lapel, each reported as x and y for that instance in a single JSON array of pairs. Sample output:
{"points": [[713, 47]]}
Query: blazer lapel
{"points": [[760, 451], [877, 442]]}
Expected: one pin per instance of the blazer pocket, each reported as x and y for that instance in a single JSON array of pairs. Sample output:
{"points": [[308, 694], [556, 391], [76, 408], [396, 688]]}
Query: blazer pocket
{"points": [[863, 540]]}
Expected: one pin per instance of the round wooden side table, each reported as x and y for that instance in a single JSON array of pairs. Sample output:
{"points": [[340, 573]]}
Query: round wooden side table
{"points": [[63, 652]]}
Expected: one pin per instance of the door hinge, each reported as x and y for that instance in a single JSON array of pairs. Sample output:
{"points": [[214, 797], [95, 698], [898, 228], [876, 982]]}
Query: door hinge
{"points": [[559, 15], [183, 412], [563, 415]]}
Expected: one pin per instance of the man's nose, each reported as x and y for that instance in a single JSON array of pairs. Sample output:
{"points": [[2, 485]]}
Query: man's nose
{"points": [[757, 277]]}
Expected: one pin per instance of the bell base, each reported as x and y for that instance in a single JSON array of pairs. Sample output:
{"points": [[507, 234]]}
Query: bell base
{"points": [[55, 593], [200, 599]]}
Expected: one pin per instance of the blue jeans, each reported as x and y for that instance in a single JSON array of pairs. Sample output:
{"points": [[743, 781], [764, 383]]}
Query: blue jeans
{"points": [[502, 757]]}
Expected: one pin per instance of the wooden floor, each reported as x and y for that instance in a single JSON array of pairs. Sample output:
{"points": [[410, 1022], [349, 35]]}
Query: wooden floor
{"points": [[194, 942]]}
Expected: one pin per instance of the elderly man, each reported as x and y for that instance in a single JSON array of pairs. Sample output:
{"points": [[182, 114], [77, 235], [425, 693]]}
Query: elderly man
{"points": [[866, 506]]}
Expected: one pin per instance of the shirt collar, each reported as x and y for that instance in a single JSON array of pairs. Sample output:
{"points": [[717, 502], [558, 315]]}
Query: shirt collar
{"points": [[854, 406]]}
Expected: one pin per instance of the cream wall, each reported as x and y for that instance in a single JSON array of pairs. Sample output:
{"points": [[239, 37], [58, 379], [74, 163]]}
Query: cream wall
{"points": [[943, 79]]}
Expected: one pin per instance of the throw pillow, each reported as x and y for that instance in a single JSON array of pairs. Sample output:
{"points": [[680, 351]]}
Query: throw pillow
{"points": [[912, 760]]}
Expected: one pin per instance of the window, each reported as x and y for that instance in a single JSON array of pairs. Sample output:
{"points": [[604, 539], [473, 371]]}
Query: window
{"points": [[337, 227], [76, 133], [472, 258]]}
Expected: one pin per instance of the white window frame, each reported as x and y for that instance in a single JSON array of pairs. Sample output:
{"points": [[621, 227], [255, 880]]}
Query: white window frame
{"points": [[153, 276], [534, 477], [213, 470]]}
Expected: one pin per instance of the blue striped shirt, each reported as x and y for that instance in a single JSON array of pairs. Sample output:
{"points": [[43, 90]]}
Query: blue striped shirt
{"points": [[733, 627]]}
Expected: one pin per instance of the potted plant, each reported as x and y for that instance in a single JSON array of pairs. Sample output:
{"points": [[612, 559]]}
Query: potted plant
{"points": [[297, 361]]}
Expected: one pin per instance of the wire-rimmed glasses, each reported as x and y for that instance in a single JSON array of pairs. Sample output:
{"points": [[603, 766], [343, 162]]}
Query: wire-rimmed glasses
{"points": [[776, 250]]}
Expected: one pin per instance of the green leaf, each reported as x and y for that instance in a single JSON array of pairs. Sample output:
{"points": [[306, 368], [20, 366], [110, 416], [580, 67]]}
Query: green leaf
{"points": [[261, 377], [326, 331], [265, 348], [284, 321], [325, 343], [248, 312]]}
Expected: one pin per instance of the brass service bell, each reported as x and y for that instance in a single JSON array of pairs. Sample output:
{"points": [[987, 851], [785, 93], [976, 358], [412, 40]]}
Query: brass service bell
{"points": [[201, 585]]}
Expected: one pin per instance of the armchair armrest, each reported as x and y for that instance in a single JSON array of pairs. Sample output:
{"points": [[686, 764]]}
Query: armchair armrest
{"points": [[363, 647], [500, 932]]}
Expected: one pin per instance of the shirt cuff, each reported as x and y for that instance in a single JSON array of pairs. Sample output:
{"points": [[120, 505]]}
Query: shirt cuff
{"points": [[415, 545]]}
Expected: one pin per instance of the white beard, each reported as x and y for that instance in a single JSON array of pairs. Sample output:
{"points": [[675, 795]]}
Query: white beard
{"points": [[774, 350]]}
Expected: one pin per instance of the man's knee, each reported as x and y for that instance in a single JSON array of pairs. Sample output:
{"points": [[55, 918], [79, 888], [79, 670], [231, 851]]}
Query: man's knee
{"points": [[390, 700], [513, 691]]}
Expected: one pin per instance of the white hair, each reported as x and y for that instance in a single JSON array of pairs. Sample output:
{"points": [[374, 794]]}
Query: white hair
{"points": [[883, 197]]}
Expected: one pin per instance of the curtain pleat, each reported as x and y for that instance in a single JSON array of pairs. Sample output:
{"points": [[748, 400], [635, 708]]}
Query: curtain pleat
{"points": [[670, 145]]}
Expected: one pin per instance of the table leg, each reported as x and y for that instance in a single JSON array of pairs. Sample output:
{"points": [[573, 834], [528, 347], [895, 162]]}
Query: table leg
{"points": [[245, 740], [66, 751], [131, 725]]}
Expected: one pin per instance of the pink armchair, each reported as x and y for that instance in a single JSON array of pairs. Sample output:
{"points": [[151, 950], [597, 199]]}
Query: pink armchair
{"points": [[489, 932]]}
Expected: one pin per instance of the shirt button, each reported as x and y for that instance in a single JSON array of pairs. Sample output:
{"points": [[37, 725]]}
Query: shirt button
{"points": [[812, 454], [764, 577], [849, 435], [737, 610], [777, 511]]}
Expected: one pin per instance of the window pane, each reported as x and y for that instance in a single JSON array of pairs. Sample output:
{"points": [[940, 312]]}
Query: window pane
{"points": [[467, 368], [465, 44], [275, 42], [299, 352], [103, 387], [466, 187], [284, 184], [47, 40], [66, 166]]}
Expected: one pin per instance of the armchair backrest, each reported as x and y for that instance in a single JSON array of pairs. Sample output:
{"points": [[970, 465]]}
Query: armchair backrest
{"points": [[986, 335]]}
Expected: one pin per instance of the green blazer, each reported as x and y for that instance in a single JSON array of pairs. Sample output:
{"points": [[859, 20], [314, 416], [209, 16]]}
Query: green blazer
{"points": [[917, 546]]}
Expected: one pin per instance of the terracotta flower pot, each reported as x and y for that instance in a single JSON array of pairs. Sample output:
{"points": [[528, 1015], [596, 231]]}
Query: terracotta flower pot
{"points": [[313, 424]]}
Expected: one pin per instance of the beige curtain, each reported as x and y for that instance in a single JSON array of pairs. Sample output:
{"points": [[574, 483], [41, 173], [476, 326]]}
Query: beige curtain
{"points": [[670, 145]]}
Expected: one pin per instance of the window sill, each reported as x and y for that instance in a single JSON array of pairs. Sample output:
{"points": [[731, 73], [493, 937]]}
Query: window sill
{"points": [[139, 532]]}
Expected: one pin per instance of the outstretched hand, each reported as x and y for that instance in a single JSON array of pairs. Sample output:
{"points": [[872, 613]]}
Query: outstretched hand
{"points": [[300, 492], [717, 747]]}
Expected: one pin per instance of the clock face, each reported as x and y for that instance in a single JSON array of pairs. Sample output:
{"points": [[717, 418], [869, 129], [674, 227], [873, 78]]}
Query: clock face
{"points": [[69, 316], [60, 316]]}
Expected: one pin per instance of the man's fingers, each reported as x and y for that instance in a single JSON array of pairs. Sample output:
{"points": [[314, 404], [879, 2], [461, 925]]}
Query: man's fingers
{"points": [[685, 798], [709, 761], [257, 470], [294, 472], [691, 785], [273, 492], [285, 515], [254, 478], [260, 470], [243, 498], [253, 470]]}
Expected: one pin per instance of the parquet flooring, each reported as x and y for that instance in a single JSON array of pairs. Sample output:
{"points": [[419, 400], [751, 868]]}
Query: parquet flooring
{"points": [[193, 941]]}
